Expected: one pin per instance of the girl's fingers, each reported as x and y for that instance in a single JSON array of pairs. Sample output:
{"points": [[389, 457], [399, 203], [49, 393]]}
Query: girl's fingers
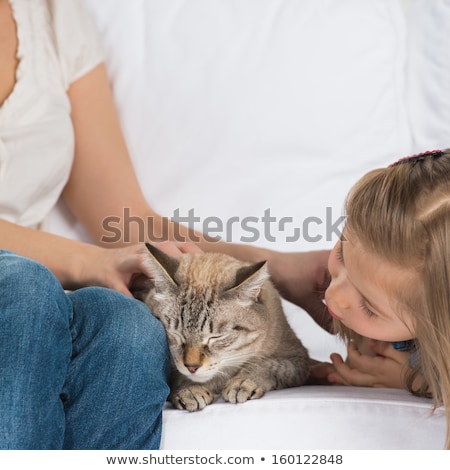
{"points": [[385, 349], [349, 375]]}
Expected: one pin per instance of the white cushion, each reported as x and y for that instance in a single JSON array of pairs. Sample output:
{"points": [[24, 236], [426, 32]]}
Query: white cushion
{"points": [[314, 418]]}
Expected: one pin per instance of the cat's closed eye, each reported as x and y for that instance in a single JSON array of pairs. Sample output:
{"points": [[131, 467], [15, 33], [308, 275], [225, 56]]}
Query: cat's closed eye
{"points": [[241, 328], [214, 340], [175, 339]]}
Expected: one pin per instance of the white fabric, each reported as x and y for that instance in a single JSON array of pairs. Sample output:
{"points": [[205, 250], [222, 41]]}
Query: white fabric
{"points": [[57, 44], [312, 418], [238, 108], [233, 107], [429, 73]]}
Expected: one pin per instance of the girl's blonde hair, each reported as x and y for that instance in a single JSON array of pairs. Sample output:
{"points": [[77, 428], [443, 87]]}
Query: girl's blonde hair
{"points": [[402, 214]]}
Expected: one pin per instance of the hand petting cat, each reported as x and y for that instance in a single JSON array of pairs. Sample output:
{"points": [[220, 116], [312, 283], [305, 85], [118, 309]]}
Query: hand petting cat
{"points": [[116, 268], [301, 278]]}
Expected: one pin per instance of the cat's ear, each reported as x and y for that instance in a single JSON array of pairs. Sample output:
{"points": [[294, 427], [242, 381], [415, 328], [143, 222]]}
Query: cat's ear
{"points": [[162, 266], [162, 269], [140, 286], [165, 264], [249, 282]]}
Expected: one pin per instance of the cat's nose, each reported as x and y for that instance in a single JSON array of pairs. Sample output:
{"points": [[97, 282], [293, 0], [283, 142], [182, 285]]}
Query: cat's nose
{"points": [[192, 368]]}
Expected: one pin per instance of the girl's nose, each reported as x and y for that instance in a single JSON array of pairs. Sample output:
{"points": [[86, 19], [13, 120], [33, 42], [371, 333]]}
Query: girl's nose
{"points": [[339, 294]]}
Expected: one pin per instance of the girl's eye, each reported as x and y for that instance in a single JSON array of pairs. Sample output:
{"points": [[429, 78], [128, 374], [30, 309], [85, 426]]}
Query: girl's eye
{"points": [[339, 254], [367, 311]]}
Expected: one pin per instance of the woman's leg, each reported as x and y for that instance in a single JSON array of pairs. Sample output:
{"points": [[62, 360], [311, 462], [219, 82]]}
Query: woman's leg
{"points": [[103, 388], [116, 383], [35, 349]]}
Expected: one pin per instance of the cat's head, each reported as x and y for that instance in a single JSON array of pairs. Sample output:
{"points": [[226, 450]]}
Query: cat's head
{"points": [[212, 307]]}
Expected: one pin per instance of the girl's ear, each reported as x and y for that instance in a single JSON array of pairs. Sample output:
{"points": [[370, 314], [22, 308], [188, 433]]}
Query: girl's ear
{"points": [[249, 282], [162, 269]]}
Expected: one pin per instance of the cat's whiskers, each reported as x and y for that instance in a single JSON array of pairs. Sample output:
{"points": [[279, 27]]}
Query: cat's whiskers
{"points": [[233, 360]]}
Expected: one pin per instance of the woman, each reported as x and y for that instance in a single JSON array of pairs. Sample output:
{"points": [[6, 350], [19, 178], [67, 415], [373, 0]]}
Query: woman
{"points": [[85, 369]]}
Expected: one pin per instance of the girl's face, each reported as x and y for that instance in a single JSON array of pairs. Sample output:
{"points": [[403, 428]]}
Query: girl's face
{"points": [[361, 293]]}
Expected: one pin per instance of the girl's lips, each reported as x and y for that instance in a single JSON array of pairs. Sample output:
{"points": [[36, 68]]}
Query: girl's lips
{"points": [[329, 309], [333, 314]]}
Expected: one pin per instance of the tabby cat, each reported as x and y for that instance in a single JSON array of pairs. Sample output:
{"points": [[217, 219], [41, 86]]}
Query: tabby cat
{"points": [[226, 329]]}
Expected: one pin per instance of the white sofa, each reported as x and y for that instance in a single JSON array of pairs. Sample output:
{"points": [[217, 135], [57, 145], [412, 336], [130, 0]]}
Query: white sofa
{"points": [[245, 109]]}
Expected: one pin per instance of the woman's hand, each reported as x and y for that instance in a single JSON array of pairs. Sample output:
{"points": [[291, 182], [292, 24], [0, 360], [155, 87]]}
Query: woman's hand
{"points": [[115, 267], [384, 369], [302, 279]]}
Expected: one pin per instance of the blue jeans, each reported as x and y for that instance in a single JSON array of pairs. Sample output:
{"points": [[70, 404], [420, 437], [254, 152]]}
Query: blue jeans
{"points": [[84, 370]]}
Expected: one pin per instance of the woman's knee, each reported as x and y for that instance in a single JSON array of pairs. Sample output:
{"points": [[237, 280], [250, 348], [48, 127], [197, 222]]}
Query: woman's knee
{"points": [[119, 344], [126, 323], [29, 288], [27, 276]]}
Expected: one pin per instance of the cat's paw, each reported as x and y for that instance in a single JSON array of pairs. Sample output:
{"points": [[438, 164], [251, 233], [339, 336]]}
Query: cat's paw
{"points": [[239, 390], [193, 398]]}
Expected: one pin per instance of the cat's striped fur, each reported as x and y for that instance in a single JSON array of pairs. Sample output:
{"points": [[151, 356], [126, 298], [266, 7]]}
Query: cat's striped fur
{"points": [[226, 329]]}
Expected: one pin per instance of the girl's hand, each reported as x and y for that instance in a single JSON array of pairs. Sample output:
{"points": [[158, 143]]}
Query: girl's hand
{"points": [[386, 369], [319, 372], [116, 267], [302, 278]]}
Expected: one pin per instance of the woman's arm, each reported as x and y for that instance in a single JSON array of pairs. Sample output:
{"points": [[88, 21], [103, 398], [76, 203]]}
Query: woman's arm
{"points": [[65, 258], [76, 264], [103, 183]]}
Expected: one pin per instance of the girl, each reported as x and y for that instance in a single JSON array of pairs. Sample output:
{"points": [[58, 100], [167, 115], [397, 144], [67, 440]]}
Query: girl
{"points": [[390, 279]]}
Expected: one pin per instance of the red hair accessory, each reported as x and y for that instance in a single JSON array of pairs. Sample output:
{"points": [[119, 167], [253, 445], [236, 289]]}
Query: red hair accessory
{"points": [[418, 157]]}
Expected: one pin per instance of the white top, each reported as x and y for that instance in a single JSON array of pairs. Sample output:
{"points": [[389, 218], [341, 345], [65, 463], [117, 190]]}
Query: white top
{"points": [[58, 43]]}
